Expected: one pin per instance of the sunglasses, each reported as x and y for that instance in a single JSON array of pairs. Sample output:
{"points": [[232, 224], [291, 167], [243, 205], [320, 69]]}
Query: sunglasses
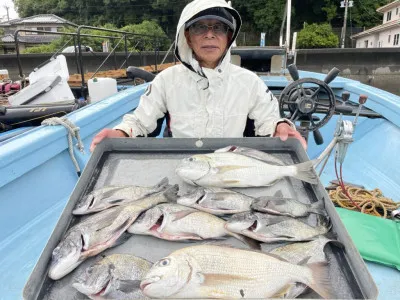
{"points": [[218, 28]]}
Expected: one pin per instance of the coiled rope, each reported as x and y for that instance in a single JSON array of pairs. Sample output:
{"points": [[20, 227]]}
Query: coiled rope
{"points": [[371, 202], [73, 131]]}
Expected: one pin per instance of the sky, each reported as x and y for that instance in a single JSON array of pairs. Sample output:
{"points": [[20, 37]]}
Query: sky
{"points": [[3, 12]]}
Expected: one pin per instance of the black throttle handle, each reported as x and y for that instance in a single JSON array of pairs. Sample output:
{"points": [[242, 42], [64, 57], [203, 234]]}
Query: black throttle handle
{"points": [[331, 75]]}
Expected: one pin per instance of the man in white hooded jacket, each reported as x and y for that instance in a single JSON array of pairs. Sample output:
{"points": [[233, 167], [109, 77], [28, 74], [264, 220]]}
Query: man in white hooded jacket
{"points": [[205, 95]]}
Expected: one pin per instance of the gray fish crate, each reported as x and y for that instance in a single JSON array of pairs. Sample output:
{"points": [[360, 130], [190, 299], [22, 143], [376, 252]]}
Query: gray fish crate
{"points": [[145, 162]]}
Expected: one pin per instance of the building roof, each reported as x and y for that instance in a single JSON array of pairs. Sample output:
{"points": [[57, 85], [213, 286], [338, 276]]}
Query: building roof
{"points": [[388, 7], [38, 19], [387, 25], [29, 39]]}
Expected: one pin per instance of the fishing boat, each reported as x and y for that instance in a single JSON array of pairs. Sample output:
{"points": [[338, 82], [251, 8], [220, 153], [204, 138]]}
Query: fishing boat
{"points": [[40, 166]]}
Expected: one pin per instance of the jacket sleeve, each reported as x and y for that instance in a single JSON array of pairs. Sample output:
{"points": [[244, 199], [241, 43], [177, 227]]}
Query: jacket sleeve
{"points": [[152, 106], [265, 111]]}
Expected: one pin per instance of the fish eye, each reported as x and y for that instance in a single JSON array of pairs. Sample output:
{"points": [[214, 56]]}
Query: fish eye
{"points": [[191, 159], [164, 262]]}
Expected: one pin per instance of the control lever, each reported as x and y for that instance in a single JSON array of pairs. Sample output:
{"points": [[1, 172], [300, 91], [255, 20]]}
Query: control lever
{"points": [[344, 109], [319, 140], [345, 97], [294, 73], [361, 101], [331, 75]]}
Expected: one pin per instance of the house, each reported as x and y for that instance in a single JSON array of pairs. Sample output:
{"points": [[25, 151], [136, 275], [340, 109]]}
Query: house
{"points": [[385, 35], [46, 22]]}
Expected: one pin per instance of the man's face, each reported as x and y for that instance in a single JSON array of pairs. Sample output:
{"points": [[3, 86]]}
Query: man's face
{"points": [[208, 44]]}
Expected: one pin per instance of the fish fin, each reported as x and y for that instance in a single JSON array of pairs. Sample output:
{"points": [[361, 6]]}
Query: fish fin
{"points": [[114, 200], [305, 172], [281, 293], [212, 279], [335, 243], [183, 213], [324, 221], [181, 236], [122, 239], [253, 244], [321, 280], [318, 208], [277, 257], [171, 193], [304, 261], [163, 184], [278, 194], [230, 181], [224, 169], [127, 286]]}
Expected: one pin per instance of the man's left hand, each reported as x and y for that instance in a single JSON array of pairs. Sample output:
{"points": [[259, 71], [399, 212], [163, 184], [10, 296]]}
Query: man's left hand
{"points": [[284, 131]]}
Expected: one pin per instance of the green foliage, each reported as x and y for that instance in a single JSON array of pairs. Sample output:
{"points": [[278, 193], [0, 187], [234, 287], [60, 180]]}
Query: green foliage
{"points": [[317, 36], [134, 43]]}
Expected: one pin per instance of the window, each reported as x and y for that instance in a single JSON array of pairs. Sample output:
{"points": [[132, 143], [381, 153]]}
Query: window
{"points": [[397, 11], [396, 39], [389, 38], [389, 16], [366, 44]]}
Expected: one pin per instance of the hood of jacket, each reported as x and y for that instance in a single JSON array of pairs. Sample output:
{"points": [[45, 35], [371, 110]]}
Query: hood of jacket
{"points": [[182, 50]]}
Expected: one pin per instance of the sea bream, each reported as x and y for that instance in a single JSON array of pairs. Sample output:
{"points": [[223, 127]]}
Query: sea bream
{"points": [[110, 196], [116, 276], [216, 201], [99, 232], [208, 271], [230, 169], [287, 206], [270, 228], [176, 222]]}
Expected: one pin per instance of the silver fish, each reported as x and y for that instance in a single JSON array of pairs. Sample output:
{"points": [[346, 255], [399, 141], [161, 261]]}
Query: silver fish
{"points": [[116, 276], [287, 207], [270, 228], [216, 201], [110, 196], [227, 169], [306, 253], [209, 271], [176, 222], [257, 154], [99, 232]]}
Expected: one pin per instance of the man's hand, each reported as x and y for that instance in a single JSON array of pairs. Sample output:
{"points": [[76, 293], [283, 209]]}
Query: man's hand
{"points": [[106, 133], [284, 130]]}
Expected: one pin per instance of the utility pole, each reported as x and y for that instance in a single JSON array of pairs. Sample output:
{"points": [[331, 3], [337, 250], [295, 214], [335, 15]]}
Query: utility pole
{"points": [[345, 4]]}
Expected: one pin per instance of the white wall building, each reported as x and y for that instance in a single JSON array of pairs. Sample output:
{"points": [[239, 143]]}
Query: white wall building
{"points": [[385, 35]]}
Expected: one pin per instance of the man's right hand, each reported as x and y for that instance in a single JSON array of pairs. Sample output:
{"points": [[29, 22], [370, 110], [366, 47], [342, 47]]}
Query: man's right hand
{"points": [[106, 133]]}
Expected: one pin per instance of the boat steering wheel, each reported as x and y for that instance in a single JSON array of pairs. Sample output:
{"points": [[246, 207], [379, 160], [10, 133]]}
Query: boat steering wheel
{"points": [[304, 97]]}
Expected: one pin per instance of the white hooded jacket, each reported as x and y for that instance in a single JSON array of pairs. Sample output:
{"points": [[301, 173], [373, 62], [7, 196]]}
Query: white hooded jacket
{"points": [[204, 102]]}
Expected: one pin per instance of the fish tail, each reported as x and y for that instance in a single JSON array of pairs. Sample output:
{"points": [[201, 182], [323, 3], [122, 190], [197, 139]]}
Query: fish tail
{"points": [[253, 244], [171, 193], [162, 185], [321, 281], [318, 208], [305, 172]]}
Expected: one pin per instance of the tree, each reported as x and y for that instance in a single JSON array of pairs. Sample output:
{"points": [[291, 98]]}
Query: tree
{"points": [[317, 36]]}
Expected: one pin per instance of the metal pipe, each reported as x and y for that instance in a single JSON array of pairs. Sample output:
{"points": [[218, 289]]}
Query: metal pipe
{"points": [[282, 26], [288, 19], [126, 51]]}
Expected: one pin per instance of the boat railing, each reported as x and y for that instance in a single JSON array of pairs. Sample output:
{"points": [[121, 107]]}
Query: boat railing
{"points": [[115, 36]]}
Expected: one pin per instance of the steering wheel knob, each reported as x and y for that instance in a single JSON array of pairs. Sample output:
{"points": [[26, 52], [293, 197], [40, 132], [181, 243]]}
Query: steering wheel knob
{"points": [[306, 106]]}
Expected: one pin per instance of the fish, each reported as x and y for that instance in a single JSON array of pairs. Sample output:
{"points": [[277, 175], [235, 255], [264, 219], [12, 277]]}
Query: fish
{"points": [[110, 196], [116, 276], [228, 169], [257, 154], [270, 228], [216, 201], [176, 222], [99, 232], [287, 207], [210, 271], [306, 253]]}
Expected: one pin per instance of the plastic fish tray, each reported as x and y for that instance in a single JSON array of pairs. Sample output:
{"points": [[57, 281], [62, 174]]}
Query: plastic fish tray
{"points": [[145, 162]]}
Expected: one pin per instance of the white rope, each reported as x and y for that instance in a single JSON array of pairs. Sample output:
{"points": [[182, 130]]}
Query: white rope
{"points": [[73, 131]]}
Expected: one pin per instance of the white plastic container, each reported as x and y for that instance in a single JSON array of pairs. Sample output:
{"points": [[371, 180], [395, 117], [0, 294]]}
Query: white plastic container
{"points": [[57, 66], [4, 74], [101, 88]]}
